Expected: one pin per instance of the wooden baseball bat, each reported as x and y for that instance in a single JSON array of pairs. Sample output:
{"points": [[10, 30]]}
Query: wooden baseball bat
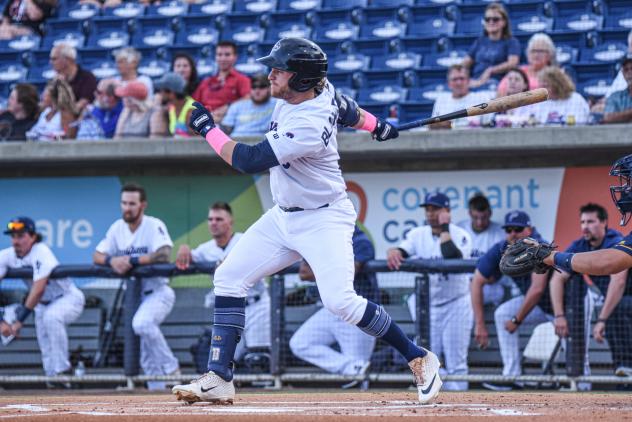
{"points": [[499, 105]]}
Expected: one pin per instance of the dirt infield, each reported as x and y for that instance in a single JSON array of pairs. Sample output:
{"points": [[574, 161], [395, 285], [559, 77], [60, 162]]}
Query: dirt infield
{"points": [[310, 405]]}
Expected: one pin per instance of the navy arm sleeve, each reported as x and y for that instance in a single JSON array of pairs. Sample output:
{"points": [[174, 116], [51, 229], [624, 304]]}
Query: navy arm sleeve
{"points": [[254, 158]]}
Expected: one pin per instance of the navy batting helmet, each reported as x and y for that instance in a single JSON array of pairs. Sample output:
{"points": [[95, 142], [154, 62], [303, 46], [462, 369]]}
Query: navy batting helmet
{"points": [[300, 56], [622, 193]]}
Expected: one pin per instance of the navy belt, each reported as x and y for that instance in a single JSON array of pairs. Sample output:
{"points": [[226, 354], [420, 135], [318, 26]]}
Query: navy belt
{"points": [[295, 209]]}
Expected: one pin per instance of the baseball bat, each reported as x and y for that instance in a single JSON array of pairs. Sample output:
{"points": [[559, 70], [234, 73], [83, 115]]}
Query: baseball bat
{"points": [[499, 105]]}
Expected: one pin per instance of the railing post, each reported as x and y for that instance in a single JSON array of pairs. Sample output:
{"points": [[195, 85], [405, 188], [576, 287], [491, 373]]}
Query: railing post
{"points": [[277, 323], [575, 343], [131, 350], [422, 310]]}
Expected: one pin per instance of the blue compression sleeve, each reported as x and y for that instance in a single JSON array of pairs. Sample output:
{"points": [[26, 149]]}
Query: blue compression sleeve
{"points": [[254, 159]]}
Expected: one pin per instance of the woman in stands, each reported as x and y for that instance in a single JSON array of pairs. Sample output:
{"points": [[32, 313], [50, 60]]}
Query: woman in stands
{"points": [[540, 54], [134, 120], [21, 114], [184, 65], [496, 51], [24, 17], [58, 119], [127, 62], [565, 106], [516, 81]]}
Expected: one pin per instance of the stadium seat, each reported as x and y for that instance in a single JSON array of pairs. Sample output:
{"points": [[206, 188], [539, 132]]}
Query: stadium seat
{"points": [[427, 93], [338, 4], [381, 78], [445, 60], [391, 3], [211, 8], [385, 29], [409, 111], [255, 6], [389, 94], [347, 79], [289, 30], [349, 63], [94, 55], [80, 12], [205, 67], [38, 74], [153, 32], [436, 2], [419, 45], [396, 61], [608, 52], [109, 32], [430, 76], [13, 73], [619, 20], [569, 38], [582, 22], [161, 53], [337, 31], [197, 30], [533, 24], [431, 27], [241, 28], [167, 9], [153, 68], [126, 10], [104, 69], [565, 54], [13, 58], [619, 35], [75, 39], [469, 19], [298, 5], [287, 23], [588, 71], [461, 42], [373, 48], [21, 43], [250, 66], [595, 88]]}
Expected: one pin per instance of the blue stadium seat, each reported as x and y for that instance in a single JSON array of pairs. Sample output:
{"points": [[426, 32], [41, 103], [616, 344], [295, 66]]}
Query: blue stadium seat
{"points": [[375, 15], [532, 24], [151, 53], [337, 31], [608, 52], [109, 32], [40, 73], [345, 63], [380, 78], [445, 60], [255, 6], [391, 3], [568, 8], [250, 66], [396, 61], [461, 42], [419, 45], [430, 76], [5, 91], [346, 79], [410, 111], [346, 4], [153, 68], [565, 54], [76, 39], [470, 19], [21, 43], [212, 8], [385, 29], [241, 28], [79, 12], [432, 27], [620, 19], [104, 69], [372, 48], [126, 10], [388, 94], [427, 93], [168, 9], [275, 33], [299, 5], [13, 58], [595, 88], [205, 67], [290, 23], [153, 32], [94, 55], [619, 35], [587, 71], [197, 30], [582, 22], [570, 38], [436, 2], [13, 73], [60, 28]]}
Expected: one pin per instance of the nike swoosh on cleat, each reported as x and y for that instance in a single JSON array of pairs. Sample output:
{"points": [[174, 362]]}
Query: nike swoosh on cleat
{"points": [[202, 389], [427, 390]]}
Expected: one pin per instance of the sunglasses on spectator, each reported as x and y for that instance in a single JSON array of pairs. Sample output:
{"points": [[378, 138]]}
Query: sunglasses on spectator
{"points": [[15, 226], [458, 78], [493, 19], [514, 229]]}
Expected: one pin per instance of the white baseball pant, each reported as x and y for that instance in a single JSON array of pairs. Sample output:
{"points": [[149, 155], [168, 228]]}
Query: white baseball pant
{"points": [[50, 327], [509, 343], [279, 239], [313, 340]]}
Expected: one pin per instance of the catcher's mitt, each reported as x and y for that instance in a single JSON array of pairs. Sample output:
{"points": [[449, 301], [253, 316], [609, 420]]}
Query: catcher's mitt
{"points": [[526, 256]]}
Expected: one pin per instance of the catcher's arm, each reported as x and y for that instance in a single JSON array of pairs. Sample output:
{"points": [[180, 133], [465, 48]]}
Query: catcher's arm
{"points": [[601, 262]]}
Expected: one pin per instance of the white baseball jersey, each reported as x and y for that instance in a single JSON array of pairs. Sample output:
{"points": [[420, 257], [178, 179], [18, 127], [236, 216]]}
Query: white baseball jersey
{"points": [[421, 243], [41, 258], [483, 241], [303, 138], [210, 252], [149, 236]]}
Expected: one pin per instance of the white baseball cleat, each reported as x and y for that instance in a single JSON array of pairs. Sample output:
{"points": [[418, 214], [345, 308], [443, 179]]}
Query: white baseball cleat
{"points": [[208, 388], [426, 372]]}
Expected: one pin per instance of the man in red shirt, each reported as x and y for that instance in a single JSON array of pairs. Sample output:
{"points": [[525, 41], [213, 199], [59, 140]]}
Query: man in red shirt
{"points": [[219, 91]]}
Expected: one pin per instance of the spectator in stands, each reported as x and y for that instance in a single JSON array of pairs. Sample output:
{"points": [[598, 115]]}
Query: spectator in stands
{"points": [[63, 58], [450, 305], [21, 114], [484, 233], [57, 120], [533, 306], [540, 54], [314, 340], [220, 225], [596, 235], [24, 17], [619, 104], [565, 106], [56, 301], [460, 97], [100, 119], [619, 82], [184, 65], [217, 92], [127, 61], [251, 117], [516, 81], [172, 118], [496, 51], [134, 120]]}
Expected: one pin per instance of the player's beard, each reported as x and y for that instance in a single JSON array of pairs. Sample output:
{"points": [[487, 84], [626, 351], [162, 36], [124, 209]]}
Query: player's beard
{"points": [[130, 218]]}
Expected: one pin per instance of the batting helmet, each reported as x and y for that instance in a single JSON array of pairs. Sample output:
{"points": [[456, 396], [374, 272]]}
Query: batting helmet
{"points": [[300, 56]]}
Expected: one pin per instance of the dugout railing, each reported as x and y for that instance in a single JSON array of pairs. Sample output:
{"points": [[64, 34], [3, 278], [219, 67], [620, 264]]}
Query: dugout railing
{"points": [[279, 373]]}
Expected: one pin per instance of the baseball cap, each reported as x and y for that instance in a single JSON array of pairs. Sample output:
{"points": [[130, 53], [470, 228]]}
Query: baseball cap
{"points": [[20, 225], [437, 199], [134, 89], [171, 81], [517, 219], [626, 58]]}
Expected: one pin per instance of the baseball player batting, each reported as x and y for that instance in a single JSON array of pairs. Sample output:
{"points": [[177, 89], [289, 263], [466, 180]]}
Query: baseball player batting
{"points": [[312, 218]]}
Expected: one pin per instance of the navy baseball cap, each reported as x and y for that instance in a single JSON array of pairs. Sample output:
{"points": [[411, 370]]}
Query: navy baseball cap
{"points": [[20, 225], [517, 219], [437, 199]]}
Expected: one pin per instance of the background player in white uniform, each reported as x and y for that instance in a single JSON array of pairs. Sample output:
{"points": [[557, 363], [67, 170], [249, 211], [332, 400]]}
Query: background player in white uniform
{"points": [[313, 218], [134, 240], [450, 307], [485, 233], [220, 225], [57, 302]]}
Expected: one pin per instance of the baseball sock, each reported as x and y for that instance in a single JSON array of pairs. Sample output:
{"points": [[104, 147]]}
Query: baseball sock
{"points": [[229, 320], [378, 323]]}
